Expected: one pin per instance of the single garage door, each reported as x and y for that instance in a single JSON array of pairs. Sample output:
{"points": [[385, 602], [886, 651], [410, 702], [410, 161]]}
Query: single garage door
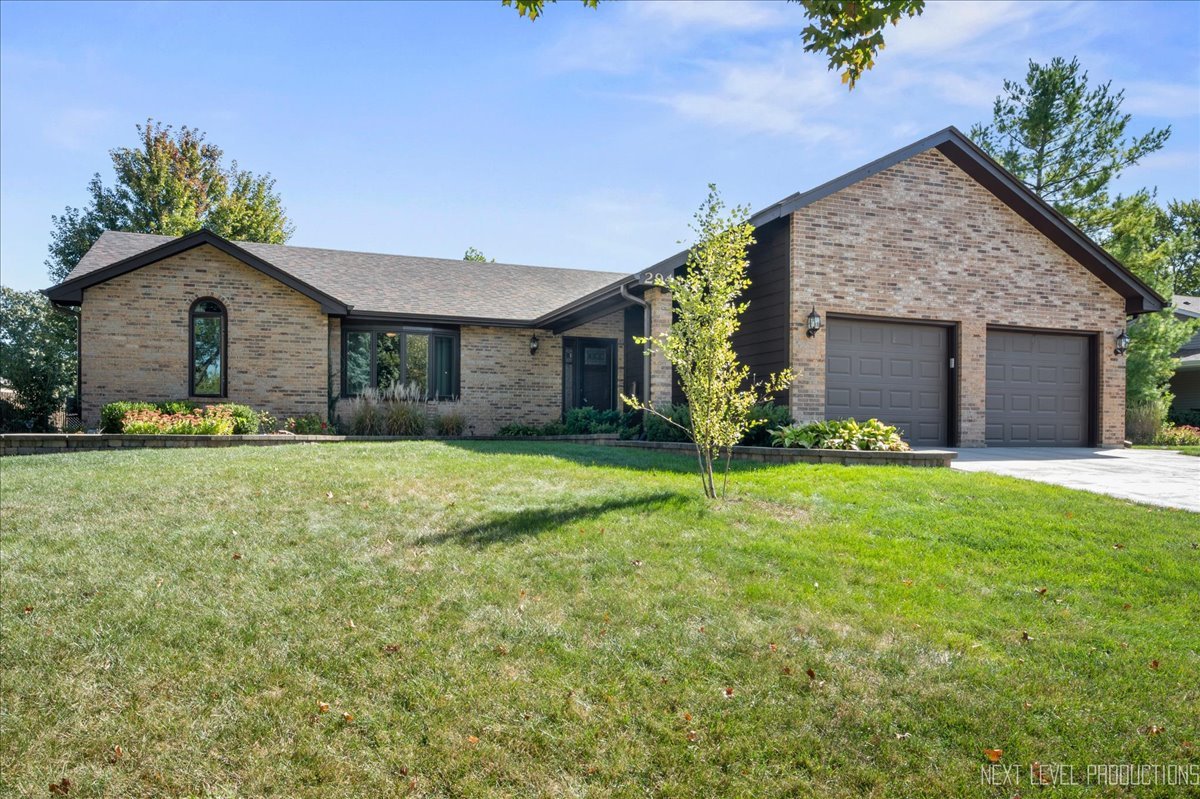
{"points": [[891, 371], [1037, 390]]}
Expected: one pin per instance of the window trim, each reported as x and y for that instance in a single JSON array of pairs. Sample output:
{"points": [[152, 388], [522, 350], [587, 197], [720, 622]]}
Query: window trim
{"points": [[403, 331], [224, 317]]}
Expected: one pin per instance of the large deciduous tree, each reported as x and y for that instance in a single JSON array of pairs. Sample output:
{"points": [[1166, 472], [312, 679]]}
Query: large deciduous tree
{"points": [[173, 182], [850, 34], [699, 344], [37, 356]]}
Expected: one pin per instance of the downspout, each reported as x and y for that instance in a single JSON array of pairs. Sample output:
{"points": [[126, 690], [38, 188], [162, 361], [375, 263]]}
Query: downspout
{"points": [[645, 398]]}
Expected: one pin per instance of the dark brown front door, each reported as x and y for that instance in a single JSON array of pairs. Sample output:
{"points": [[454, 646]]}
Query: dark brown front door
{"points": [[589, 373], [896, 372]]}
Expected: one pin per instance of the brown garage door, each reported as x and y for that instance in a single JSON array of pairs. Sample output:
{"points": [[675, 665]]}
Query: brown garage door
{"points": [[895, 372], [1037, 390]]}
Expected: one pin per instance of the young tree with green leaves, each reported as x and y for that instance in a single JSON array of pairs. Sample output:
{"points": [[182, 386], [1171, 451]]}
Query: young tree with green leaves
{"points": [[37, 355], [699, 344], [1183, 221], [172, 183]]}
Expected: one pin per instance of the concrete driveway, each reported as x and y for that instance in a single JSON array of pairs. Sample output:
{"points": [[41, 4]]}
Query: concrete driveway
{"points": [[1157, 477]]}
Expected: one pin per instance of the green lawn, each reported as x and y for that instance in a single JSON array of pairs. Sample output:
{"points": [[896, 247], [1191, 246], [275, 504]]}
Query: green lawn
{"points": [[1184, 450], [525, 619]]}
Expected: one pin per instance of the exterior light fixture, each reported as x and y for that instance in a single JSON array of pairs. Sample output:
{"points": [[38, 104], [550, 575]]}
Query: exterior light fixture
{"points": [[534, 344], [814, 323], [1122, 343]]}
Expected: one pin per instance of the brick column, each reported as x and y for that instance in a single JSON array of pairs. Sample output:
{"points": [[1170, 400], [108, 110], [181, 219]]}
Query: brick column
{"points": [[806, 394], [660, 368], [1111, 381], [971, 369]]}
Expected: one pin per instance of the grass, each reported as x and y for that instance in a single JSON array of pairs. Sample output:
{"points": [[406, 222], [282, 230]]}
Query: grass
{"points": [[534, 619]]}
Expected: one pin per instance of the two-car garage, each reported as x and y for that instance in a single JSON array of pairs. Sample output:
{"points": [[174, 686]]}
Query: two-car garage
{"points": [[1037, 383]]}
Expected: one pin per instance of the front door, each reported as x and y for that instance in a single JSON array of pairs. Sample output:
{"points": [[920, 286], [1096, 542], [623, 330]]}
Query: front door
{"points": [[589, 373]]}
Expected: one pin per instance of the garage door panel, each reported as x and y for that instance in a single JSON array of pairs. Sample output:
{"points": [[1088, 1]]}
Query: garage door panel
{"points": [[1037, 389], [896, 372]]}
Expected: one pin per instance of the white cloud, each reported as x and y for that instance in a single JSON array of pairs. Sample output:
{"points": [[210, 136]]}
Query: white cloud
{"points": [[1171, 100]]}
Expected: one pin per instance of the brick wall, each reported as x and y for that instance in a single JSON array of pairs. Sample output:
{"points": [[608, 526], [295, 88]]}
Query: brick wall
{"points": [[922, 241], [135, 336]]}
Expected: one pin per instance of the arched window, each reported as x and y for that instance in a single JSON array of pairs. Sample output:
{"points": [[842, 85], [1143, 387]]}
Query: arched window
{"points": [[206, 366]]}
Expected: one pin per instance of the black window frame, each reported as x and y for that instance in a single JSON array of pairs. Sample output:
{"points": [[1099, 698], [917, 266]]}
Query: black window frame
{"points": [[223, 315], [403, 331]]}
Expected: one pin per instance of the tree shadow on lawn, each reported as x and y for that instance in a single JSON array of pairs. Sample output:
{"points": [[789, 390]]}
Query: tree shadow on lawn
{"points": [[501, 527], [645, 460]]}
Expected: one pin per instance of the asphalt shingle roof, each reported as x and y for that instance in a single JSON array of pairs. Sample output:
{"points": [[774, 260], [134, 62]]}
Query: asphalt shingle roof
{"points": [[398, 284]]}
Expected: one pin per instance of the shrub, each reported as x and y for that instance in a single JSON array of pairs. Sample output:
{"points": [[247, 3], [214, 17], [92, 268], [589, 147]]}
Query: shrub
{"points": [[404, 419], [450, 424], [307, 425], [176, 406], [659, 430], [841, 434], [580, 421], [1143, 421], [1180, 435], [14, 419], [112, 414], [213, 420], [267, 423], [245, 419], [765, 417], [552, 429]]}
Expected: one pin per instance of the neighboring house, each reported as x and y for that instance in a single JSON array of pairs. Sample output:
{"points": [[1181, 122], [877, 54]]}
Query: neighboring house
{"points": [[955, 304], [1185, 385]]}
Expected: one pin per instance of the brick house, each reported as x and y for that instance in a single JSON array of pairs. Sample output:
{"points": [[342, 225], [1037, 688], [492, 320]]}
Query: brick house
{"points": [[951, 301]]}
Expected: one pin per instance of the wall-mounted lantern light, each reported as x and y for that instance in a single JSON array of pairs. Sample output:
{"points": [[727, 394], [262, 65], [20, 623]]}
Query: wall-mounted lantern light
{"points": [[814, 323], [1122, 343], [534, 344]]}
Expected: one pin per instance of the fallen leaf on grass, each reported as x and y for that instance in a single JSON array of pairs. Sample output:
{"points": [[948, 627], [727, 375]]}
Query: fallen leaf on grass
{"points": [[328, 495], [902, 736], [993, 755], [1154, 729], [907, 583], [117, 753], [391, 649], [692, 735], [323, 707], [812, 675], [1042, 591], [728, 693], [1154, 665], [29, 608], [1025, 636], [1118, 546], [637, 563], [348, 718], [472, 740], [786, 670], [237, 555], [60, 788]]}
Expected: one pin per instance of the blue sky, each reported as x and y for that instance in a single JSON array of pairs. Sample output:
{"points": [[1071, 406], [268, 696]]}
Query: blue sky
{"points": [[584, 139]]}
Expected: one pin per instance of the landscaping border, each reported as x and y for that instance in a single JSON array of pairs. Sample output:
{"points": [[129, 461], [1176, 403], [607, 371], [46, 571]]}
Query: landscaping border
{"points": [[49, 443]]}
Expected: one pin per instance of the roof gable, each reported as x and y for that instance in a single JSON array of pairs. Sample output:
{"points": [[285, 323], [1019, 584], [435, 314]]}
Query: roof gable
{"points": [[71, 290], [966, 155]]}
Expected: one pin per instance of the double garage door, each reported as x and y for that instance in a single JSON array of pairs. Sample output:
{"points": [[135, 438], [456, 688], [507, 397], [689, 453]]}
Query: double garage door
{"points": [[1036, 388]]}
